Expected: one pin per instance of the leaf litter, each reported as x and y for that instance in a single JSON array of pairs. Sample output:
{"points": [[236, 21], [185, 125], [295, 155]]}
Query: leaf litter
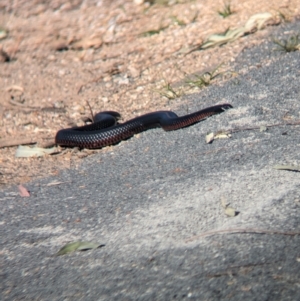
{"points": [[78, 246]]}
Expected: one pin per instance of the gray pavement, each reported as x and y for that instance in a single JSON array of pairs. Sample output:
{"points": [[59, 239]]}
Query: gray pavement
{"points": [[151, 200]]}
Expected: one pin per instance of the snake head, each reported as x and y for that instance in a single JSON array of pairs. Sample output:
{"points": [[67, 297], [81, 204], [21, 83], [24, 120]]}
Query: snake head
{"points": [[114, 114], [226, 106]]}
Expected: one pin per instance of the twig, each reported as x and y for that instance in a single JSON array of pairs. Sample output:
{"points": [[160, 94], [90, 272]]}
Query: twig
{"points": [[193, 49], [230, 269], [241, 230], [47, 143], [258, 127], [7, 142], [27, 108], [90, 110], [15, 87]]}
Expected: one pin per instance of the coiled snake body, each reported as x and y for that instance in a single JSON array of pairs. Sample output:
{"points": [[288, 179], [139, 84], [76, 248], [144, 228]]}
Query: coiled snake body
{"points": [[106, 131]]}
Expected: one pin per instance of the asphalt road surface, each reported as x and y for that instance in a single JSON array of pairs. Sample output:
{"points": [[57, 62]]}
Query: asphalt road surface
{"points": [[155, 201]]}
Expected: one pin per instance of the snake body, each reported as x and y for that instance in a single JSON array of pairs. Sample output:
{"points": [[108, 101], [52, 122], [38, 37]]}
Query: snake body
{"points": [[106, 131]]}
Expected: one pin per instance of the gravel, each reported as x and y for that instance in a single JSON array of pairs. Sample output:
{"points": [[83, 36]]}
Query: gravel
{"points": [[155, 201]]}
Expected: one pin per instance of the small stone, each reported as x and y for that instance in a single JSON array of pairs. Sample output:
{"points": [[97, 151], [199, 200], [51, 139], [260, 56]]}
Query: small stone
{"points": [[59, 104], [138, 2], [133, 71], [123, 81]]}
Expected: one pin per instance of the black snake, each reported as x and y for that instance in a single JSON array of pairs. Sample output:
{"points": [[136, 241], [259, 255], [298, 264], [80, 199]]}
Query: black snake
{"points": [[107, 131]]}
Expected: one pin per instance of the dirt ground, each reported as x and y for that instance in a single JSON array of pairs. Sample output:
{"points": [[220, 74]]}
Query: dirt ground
{"points": [[56, 57]]}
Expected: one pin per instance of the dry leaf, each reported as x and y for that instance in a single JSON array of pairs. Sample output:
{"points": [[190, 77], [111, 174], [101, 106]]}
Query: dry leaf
{"points": [[3, 33], [26, 151], [246, 288], [78, 245], [209, 138], [230, 211], [56, 183], [256, 22], [222, 135], [23, 191], [219, 39], [263, 128], [224, 203]]}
